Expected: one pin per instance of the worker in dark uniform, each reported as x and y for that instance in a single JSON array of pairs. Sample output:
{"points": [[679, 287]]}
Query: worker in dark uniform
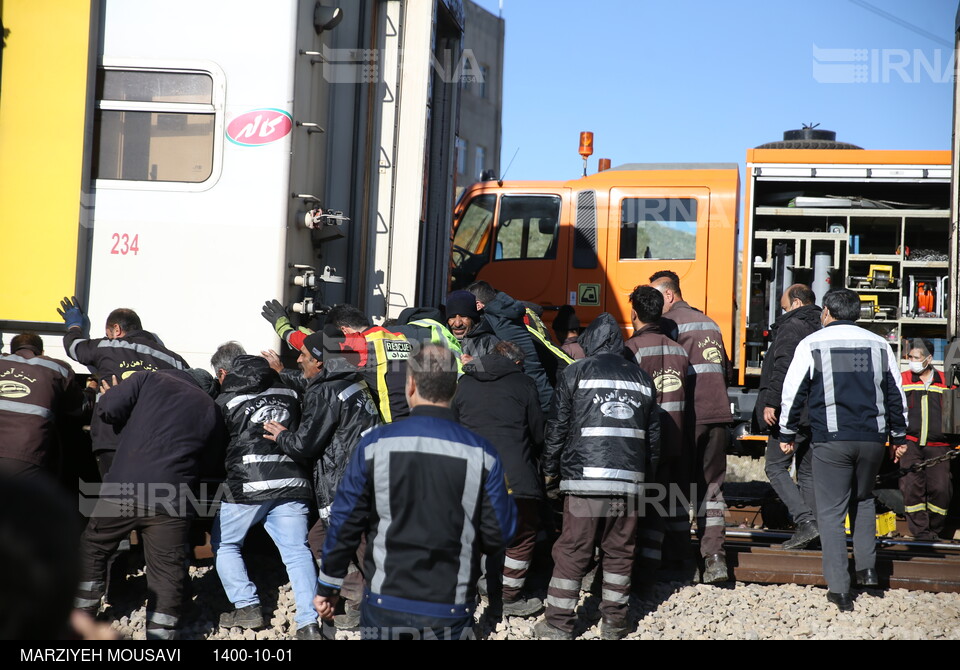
{"points": [[125, 349], [662, 538], [700, 336], [800, 318], [35, 391], [926, 493], [430, 496], [169, 430], [602, 443]]}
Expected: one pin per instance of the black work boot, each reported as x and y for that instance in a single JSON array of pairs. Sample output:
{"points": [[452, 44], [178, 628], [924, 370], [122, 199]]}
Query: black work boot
{"points": [[309, 632], [867, 577], [843, 601], [544, 631], [806, 533], [245, 617], [613, 630]]}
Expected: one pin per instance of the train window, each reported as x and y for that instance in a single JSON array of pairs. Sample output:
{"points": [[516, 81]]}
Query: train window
{"points": [[155, 86], [528, 227], [153, 125], [659, 228]]}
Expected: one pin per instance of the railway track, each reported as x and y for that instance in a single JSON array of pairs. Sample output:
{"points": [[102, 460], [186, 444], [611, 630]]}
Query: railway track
{"points": [[755, 555]]}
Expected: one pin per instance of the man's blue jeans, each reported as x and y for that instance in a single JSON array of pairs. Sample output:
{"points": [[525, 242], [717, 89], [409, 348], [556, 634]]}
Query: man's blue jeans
{"points": [[286, 523]]}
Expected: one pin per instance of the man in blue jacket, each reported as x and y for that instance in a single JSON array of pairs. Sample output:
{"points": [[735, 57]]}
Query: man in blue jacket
{"points": [[430, 496], [849, 380]]}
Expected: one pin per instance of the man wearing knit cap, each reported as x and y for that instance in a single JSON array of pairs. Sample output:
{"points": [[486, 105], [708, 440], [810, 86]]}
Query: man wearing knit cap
{"points": [[462, 314]]}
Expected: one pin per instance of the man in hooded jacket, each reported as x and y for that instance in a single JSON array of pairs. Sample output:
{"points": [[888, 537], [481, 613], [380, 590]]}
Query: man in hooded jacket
{"points": [[603, 443], [266, 487], [509, 319], [497, 401]]}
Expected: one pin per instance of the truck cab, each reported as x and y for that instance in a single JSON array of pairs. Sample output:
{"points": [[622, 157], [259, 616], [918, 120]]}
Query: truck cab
{"points": [[588, 242]]}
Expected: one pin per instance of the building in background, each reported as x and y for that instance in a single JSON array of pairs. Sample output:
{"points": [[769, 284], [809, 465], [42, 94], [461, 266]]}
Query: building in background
{"points": [[481, 96]]}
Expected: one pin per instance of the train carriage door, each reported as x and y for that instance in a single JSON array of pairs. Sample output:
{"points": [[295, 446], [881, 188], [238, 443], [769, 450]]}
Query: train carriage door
{"points": [[653, 229], [529, 249]]}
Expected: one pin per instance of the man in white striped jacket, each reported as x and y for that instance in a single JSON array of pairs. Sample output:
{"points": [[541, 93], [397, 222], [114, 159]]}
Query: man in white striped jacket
{"points": [[849, 379]]}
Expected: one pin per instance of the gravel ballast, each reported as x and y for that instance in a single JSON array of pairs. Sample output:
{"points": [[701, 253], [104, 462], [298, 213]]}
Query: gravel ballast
{"points": [[662, 610]]}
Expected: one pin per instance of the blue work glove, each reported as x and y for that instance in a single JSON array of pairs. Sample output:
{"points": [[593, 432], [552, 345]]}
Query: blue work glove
{"points": [[71, 312]]}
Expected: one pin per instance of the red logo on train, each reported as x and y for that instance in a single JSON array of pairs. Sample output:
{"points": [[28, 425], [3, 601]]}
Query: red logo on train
{"points": [[259, 126]]}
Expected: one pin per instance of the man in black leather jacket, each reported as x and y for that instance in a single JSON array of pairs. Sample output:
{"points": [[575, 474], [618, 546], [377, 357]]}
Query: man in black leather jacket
{"points": [[266, 487], [801, 316], [337, 409]]}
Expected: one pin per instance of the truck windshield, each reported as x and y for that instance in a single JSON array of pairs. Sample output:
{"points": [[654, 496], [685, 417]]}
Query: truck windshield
{"points": [[661, 228], [471, 241]]}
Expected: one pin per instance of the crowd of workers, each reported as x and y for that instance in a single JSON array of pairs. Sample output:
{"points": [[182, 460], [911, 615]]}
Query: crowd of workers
{"points": [[396, 455]]}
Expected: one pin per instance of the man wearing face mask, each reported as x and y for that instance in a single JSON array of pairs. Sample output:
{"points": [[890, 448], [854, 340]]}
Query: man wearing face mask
{"points": [[926, 494], [800, 318]]}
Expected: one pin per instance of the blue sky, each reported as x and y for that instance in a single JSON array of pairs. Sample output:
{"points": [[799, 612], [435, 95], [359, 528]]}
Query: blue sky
{"points": [[703, 81]]}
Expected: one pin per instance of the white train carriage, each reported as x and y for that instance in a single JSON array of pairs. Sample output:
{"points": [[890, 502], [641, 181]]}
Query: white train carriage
{"points": [[168, 156]]}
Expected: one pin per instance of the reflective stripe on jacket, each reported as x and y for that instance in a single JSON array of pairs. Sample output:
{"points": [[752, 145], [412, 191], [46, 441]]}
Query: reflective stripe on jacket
{"points": [[924, 409], [700, 336]]}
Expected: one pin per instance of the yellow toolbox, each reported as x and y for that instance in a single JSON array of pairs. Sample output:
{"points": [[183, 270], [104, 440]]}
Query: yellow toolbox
{"points": [[886, 524]]}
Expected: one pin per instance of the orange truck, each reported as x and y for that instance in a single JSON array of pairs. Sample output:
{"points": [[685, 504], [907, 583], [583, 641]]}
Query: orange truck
{"points": [[815, 211], [588, 242]]}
